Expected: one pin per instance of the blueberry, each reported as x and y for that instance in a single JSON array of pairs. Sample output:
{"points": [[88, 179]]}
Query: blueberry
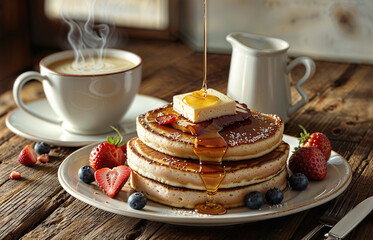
{"points": [[86, 174], [137, 200], [42, 148], [254, 200], [274, 196], [298, 181]]}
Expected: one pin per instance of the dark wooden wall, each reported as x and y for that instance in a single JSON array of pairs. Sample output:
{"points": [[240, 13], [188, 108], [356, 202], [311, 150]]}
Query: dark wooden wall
{"points": [[14, 37]]}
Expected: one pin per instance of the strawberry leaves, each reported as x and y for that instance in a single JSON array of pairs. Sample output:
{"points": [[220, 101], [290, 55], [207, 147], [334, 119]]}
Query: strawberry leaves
{"points": [[303, 137], [117, 140]]}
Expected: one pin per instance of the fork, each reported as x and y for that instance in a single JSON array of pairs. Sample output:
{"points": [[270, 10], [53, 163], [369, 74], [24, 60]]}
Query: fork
{"points": [[341, 206]]}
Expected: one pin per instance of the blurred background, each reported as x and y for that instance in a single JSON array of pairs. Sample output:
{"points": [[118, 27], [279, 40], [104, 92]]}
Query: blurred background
{"points": [[322, 29]]}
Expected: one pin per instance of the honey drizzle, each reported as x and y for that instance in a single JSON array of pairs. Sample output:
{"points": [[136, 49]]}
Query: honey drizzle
{"points": [[204, 83], [200, 98], [212, 176], [210, 146]]}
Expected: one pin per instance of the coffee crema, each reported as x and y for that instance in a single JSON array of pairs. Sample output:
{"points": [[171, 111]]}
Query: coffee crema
{"points": [[91, 66]]}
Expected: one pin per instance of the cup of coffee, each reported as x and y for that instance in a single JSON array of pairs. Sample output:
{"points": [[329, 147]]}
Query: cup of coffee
{"points": [[87, 98]]}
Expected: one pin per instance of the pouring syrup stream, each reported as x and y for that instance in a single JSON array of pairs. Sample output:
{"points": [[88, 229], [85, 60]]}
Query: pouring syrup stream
{"points": [[209, 141], [204, 83], [201, 98]]}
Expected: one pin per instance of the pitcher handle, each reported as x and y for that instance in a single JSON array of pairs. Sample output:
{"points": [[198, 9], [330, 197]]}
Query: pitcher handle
{"points": [[17, 87], [309, 64]]}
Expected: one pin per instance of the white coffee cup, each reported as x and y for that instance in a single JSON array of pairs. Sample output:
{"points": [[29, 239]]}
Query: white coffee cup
{"points": [[259, 74], [84, 103]]}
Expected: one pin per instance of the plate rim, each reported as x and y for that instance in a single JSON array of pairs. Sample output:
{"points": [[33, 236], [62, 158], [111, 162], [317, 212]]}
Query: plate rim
{"points": [[210, 220]]}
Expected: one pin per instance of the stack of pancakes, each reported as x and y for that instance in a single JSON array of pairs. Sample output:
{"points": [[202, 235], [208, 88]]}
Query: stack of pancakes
{"points": [[166, 168]]}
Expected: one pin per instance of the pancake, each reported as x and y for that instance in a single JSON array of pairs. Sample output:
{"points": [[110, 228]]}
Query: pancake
{"points": [[251, 138], [180, 172], [189, 198]]}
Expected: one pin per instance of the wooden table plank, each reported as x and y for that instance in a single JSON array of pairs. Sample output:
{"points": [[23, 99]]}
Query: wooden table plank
{"points": [[25, 202], [77, 220], [338, 112]]}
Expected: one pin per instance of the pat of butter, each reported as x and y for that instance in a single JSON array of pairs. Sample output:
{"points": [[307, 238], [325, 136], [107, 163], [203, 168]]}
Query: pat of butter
{"points": [[201, 112]]}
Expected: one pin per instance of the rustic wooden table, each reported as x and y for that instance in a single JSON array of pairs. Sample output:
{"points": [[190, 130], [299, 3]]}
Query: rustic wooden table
{"points": [[37, 207]]}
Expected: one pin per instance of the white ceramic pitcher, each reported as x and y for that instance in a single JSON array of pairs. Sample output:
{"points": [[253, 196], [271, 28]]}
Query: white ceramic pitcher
{"points": [[259, 74]]}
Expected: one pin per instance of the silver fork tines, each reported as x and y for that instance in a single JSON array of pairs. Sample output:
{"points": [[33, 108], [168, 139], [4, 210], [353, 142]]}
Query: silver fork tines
{"points": [[341, 206]]}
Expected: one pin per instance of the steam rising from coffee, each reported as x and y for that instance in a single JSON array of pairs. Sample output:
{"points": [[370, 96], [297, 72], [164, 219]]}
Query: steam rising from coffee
{"points": [[89, 41]]}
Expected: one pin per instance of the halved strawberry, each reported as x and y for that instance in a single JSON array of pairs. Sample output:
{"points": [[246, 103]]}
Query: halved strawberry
{"points": [[166, 119], [106, 155], [112, 180], [14, 175], [27, 156], [44, 158], [310, 161]]}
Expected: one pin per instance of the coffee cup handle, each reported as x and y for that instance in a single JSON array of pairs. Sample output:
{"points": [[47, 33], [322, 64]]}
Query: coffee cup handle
{"points": [[17, 87], [309, 64]]}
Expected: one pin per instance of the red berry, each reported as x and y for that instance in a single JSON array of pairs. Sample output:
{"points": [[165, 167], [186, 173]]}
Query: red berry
{"points": [[106, 155], [112, 180], [310, 161], [166, 119], [44, 158], [320, 141], [124, 148], [15, 175], [27, 156]]}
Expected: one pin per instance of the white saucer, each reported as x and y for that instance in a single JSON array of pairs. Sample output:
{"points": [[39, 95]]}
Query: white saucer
{"points": [[318, 192], [30, 127]]}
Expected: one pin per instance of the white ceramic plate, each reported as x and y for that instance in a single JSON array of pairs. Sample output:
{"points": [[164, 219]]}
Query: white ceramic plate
{"points": [[30, 127], [317, 193]]}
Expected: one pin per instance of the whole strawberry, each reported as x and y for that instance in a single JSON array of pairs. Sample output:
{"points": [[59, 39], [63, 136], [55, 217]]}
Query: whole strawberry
{"points": [[310, 161], [109, 154], [318, 140], [106, 155]]}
